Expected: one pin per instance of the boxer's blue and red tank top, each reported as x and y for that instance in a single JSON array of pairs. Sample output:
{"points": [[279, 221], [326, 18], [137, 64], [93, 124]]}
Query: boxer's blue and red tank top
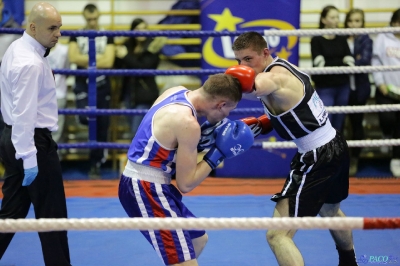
{"points": [[145, 149]]}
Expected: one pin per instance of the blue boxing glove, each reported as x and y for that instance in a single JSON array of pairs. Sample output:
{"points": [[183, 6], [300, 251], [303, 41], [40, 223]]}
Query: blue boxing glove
{"points": [[232, 139], [208, 131], [30, 175]]}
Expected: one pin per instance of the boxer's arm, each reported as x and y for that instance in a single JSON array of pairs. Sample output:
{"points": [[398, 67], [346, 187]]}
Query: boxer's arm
{"points": [[266, 83], [189, 173]]}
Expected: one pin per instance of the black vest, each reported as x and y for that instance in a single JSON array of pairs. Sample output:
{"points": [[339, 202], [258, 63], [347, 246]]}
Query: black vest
{"points": [[306, 116]]}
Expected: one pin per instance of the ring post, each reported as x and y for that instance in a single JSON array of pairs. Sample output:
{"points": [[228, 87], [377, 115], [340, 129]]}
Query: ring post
{"points": [[92, 90]]}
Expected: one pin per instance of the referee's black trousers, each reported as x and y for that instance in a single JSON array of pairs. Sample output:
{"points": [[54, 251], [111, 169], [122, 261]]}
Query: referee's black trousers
{"points": [[46, 193]]}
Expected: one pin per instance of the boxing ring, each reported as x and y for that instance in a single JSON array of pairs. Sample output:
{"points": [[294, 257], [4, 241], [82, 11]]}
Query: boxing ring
{"points": [[254, 220]]}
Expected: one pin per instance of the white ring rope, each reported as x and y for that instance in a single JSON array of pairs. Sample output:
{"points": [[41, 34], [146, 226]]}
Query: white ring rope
{"points": [[43, 225], [349, 70], [350, 143], [318, 32], [364, 108]]}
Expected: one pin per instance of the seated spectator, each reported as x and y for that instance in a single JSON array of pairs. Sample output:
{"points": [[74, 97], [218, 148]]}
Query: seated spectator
{"points": [[361, 49], [139, 92], [386, 53]]}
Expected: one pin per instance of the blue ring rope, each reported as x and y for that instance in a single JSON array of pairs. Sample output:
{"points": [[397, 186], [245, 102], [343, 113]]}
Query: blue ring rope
{"points": [[110, 145], [131, 112]]}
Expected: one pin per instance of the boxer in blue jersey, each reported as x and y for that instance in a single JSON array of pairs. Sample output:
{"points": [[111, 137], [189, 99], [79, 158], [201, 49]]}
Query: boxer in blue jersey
{"points": [[319, 176], [166, 144]]}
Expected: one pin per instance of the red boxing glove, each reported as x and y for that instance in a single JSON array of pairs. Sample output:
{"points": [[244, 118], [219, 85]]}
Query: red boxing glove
{"points": [[245, 75], [261, 125]]}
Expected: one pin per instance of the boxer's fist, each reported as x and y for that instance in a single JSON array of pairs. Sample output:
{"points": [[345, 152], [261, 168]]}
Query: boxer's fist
{"points": [[245, 75], [232, 139], [261, 125], [208, 131]]}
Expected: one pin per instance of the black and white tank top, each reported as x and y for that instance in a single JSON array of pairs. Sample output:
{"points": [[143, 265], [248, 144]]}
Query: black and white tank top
{"points": [[306, 117]]}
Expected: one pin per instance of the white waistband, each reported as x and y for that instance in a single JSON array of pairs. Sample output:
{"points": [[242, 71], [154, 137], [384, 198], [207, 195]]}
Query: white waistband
{"points": [[316, 139], [146, 173]]}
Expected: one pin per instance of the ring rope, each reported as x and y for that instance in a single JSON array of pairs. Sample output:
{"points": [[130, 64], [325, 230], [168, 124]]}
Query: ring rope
{"points": [[335, 223], [155, 72], [330, 109], [173, 33], [350, 143], [260, 144]]}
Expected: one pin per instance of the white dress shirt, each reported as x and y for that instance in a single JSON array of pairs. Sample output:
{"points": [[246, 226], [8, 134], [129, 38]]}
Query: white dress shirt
{"points": [[28, 95]]}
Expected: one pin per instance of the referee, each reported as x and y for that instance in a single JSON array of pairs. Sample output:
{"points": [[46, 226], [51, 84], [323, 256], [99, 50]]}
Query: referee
{"points": [[29, 154]]}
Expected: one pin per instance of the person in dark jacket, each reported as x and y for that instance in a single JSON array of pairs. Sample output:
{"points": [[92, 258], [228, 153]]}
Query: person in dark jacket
{"points": [[332, 51], [139, 92], [361, 49]]}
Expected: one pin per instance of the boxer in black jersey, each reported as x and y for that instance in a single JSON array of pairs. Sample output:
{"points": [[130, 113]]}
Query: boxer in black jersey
{"points": [[319, 177]]}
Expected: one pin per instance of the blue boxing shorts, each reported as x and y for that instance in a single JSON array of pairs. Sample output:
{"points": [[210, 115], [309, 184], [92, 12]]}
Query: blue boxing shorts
{"points": [[141, 198]]}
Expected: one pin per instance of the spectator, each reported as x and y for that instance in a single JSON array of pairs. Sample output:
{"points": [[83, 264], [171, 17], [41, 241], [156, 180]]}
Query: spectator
{"points": [[105, 55], [361, 49], [139, 92], [58, 59], [331, 50], [386, 52]]}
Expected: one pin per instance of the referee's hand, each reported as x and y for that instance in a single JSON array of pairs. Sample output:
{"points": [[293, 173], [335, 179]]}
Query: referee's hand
{"points": [[30, 175]]}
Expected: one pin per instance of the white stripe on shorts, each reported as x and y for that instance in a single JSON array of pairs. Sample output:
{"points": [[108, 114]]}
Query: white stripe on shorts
{"points": [[143, 210], [303, 180]]}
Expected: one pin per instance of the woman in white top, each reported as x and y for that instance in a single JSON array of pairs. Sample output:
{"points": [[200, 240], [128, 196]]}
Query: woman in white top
{"points": [[386, 52]]}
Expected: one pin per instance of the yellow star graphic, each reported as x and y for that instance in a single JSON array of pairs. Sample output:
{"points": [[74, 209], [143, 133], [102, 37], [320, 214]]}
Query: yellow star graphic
{"points": [[283, 53], [225, 20]]}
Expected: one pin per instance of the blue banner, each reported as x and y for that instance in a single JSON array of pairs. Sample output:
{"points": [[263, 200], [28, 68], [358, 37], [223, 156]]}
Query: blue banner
{"points": [[224, 15], [17, 9]]}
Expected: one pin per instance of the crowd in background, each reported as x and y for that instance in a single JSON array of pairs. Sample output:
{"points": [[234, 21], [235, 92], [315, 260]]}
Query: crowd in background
{"points": [[355, 90], [144, 53]]}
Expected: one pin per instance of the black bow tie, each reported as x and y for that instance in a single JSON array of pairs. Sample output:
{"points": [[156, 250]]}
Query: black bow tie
{"points": [[47, 52]]}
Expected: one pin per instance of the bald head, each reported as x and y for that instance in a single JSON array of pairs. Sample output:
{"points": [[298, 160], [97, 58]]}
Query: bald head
{"points": [[44, 24], [41, 11]]}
